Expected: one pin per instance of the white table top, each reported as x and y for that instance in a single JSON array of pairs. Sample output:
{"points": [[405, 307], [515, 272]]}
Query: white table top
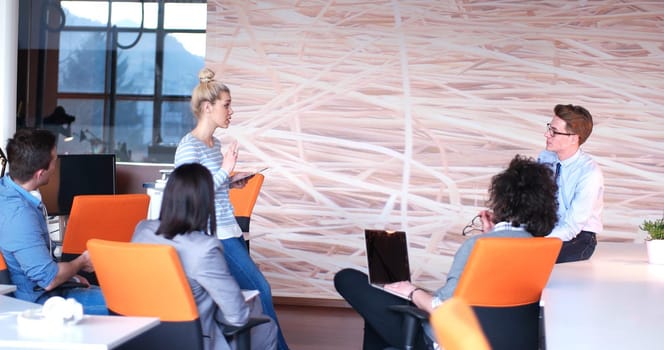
{"points": [[7, 288], [93, 332], [612, 301]]}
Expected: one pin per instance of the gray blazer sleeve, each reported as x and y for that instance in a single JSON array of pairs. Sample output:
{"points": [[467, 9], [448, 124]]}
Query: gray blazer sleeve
{"points": [[213, 275]]}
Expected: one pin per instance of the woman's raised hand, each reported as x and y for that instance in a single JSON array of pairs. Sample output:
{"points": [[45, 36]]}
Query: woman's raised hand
{"points": [[230, 157]]}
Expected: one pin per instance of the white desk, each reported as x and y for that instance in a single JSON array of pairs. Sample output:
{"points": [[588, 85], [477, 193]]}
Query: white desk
{"points": [[93, 332], [612, 301], [7, 288]]}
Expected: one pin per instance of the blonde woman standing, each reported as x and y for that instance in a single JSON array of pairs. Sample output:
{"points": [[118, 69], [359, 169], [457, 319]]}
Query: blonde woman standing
{"points": [[211, 105]]}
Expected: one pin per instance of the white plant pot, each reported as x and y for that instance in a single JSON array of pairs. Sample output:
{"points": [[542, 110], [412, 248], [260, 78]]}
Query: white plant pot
{"points": [[655, 251]]}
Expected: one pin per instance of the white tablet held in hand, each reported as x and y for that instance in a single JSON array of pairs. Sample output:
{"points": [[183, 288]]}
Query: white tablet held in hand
{"points": [[242, 176]]}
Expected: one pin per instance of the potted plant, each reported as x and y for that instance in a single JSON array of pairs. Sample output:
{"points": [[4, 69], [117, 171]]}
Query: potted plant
{"points": [[655, 240]]}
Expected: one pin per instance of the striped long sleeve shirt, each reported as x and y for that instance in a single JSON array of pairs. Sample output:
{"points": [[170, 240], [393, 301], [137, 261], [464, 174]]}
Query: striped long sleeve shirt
{"points": [[193, 150]]}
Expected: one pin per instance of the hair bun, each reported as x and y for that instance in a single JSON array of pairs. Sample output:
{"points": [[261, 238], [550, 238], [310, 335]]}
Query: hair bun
{"points": [[206, 75]]}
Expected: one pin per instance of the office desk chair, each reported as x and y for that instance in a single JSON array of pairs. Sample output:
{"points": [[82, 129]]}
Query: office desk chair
{"points": [[4, 271], [503, 282], [112, 217], [140, 279], [5, 277], [456, 326], [244, 200]]}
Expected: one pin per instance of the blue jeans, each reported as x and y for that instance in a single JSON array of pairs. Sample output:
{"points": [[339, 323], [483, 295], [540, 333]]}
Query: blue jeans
{"points": [[91, 298], [248, 276], [578, 248]]}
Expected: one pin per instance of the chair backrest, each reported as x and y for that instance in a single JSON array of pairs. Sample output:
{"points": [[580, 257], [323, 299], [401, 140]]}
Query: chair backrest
{"points": [[109, 217], [140, 279], [456, 327], [244, 200], [503, 282], [4, 272], [507, 271]]}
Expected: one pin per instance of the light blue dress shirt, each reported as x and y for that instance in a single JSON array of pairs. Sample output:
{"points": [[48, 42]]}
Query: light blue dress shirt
{"points": [[580, 194], [24, 241]]}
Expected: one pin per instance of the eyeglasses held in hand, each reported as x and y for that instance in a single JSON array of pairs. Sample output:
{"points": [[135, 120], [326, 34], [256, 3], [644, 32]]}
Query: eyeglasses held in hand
{"points": [[475, 226]]}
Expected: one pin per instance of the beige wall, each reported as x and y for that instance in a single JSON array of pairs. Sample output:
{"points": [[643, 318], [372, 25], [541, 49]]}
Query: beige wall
{"points": [[396, 114]]}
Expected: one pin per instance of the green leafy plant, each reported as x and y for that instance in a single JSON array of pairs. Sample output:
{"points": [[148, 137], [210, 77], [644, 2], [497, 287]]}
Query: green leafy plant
{"points": [[655, 228]]}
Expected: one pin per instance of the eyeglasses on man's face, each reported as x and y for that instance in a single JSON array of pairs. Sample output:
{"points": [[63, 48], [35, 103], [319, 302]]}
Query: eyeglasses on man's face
{"points": [[475, 226], [551, 131]]}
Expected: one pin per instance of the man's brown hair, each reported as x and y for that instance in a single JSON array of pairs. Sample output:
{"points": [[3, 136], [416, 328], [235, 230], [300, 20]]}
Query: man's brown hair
{"points": [[577, 119]]}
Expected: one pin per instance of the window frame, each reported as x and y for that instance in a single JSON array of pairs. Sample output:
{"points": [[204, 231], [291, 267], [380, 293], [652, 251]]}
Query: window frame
{"points": [[46, 58]]}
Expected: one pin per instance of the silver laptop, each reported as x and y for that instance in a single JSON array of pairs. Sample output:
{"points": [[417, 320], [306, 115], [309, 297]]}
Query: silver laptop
{"points": [[387, 258]]}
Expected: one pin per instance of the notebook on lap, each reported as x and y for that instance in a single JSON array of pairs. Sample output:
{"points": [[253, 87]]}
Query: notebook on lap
{"points": [[387, 257]]}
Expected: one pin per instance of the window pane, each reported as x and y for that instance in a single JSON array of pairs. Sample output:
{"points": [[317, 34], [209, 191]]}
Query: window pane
{"points": [[89, 117], [185, 16], [133, 130], [82, 71], [183, 58], [81, 62], [135, 70], [86, 13], [128, 15], [176, 121]]}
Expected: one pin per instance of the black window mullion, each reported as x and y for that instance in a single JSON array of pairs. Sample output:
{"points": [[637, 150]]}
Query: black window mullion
{"points": [[158, 78]]}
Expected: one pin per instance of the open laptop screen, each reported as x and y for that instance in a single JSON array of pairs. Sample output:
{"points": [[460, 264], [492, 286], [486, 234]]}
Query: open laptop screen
{"points": [[387, 256]]}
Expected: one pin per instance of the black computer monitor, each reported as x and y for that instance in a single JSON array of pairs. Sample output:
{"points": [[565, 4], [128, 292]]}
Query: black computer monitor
{"points": [[78, 174]]}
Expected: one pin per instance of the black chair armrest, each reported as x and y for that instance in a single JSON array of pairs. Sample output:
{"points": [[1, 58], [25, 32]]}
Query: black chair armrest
{"points": [[242, 334], [410, 311]]}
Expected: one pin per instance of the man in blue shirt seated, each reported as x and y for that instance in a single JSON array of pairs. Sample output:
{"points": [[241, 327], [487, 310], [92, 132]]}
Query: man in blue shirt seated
{"points": [[580, 182], [24, 239]]}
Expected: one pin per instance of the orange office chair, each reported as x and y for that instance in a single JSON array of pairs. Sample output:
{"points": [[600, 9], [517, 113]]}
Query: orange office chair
{"points": [[4, 272], [244, 200], [5, 277], [503, 282], [140, 279], [456, 327], [113, 217]]}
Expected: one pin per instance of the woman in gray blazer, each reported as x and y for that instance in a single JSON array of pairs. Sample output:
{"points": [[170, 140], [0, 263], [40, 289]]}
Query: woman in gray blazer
{"points": [[187, 222]]}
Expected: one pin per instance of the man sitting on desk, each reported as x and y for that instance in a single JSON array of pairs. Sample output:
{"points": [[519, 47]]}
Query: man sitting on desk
{"points": [[24, 238], [580, 182]]}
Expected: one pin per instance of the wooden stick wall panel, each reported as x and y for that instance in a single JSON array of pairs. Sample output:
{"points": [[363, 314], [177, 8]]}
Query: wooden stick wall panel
{"points": [[395, 114]]}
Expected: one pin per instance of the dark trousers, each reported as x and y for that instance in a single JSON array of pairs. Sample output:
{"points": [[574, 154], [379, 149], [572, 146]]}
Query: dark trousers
{"points": [[579, 248], [382, 327]]}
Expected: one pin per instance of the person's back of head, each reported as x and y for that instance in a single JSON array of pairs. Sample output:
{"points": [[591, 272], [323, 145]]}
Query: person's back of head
{"points": [[577, 119], [188, 202], [525, 194], [28, 151]]}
